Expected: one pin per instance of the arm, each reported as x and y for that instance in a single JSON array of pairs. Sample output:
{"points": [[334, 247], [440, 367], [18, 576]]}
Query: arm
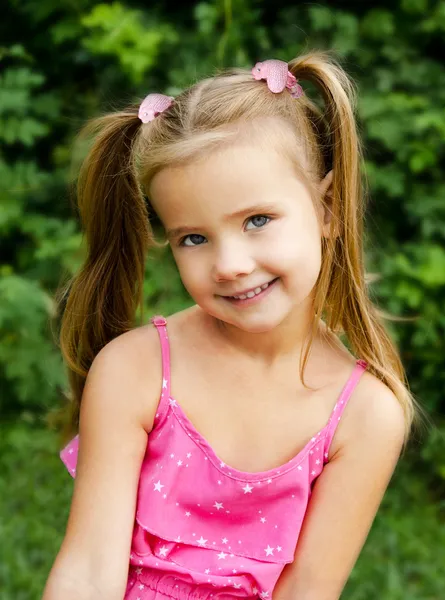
{"points": [[346, 496], [118, 406]]}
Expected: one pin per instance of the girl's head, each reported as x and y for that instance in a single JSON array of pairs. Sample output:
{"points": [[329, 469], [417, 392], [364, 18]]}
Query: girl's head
{"points": [[251, 187], [229, 144]]}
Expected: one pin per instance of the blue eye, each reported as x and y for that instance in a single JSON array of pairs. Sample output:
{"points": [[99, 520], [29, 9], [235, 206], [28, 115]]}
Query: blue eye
{"points": [[260, 218], [192, 238]]}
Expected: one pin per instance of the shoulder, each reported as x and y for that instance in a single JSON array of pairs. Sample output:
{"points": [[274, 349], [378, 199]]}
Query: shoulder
{"points": [[373, 414], [126, 375]]}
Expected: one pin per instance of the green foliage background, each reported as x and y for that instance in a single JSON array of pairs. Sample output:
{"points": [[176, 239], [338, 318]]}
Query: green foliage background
{"points": [[62, 62]]}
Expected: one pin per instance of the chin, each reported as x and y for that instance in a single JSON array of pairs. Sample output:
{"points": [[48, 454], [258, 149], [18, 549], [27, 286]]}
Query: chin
{"points": [[256, 322]]}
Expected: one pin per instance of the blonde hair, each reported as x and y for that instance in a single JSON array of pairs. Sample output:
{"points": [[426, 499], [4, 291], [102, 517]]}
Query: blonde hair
{"points": [[102, 299]]}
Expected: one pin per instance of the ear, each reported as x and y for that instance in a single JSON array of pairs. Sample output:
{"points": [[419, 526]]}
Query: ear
{"points": [[325, 188]]}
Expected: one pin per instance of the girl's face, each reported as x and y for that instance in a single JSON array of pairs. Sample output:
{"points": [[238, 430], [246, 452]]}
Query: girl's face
{"points": [[240, 223]]}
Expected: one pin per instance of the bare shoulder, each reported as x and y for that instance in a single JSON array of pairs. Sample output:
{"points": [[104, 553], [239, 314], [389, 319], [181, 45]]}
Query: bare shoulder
{"points": [[373, 413], [129, 372]]}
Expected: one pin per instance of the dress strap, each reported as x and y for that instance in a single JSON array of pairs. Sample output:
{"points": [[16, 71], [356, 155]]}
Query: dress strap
{"points": [[340, 405], [160, 322]]}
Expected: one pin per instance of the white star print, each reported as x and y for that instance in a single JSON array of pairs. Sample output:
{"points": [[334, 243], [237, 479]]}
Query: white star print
{"points": [[179, 463], [300, 468], [269, 481], [219, 482], [172, 456], [163, 551], [158, 486], [164, 383], [317, 462], [70, 451], [172, 402], [222, 555], [142, 586], [138, 571], [164, 496], [264, 594], [224, 540], [202, 541], [221, 464], [189, 454], [218, 505], [268, 550], [279, 548], [178, 539], [263, 520], [187, 514], [247, 489], [313, 473], [207, 571]]}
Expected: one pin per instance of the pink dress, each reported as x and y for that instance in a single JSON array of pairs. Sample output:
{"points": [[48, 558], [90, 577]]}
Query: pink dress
{"points": [[204, 529]]}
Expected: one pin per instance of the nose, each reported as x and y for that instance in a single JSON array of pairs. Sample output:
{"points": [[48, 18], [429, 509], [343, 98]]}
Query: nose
{"points": [[232, 260]]}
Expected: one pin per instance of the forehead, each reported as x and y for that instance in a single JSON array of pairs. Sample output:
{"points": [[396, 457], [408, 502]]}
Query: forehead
{"points": [[227, 180]]}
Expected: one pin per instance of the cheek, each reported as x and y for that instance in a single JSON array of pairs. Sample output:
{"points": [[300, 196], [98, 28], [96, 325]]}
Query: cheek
{"points": [[190, 270], [296, 251]]}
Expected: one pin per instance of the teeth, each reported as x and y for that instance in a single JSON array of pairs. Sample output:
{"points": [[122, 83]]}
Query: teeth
{"points": [[252, 293]]}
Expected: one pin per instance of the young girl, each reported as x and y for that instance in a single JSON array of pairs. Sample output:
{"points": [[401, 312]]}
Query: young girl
{"points": [[237, 448]]}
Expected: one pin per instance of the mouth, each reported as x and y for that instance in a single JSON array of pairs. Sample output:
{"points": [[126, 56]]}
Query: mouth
{"points": [[253, 295]]}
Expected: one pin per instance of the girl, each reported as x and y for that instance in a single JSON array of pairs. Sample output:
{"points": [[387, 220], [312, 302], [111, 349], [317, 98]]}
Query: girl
{"points": [[237, 449]]}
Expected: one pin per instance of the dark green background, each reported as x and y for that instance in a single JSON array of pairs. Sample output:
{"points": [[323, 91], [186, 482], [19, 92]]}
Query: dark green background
{"points": [[62, 62]]}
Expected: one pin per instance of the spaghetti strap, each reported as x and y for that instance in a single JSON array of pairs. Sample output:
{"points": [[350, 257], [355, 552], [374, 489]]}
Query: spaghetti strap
{"points": [[160, 322], [340, 405]]}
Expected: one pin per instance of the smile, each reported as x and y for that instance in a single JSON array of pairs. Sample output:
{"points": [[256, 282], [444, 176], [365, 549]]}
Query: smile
{"points": [[253, 292], [251, 296]]}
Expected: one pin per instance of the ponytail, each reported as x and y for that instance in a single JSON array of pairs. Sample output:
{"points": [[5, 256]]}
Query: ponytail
{"points": [[341, 293], [102, 299]]}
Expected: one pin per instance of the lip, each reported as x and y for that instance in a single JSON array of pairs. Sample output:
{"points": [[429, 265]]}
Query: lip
{"points": [[255, 299]]}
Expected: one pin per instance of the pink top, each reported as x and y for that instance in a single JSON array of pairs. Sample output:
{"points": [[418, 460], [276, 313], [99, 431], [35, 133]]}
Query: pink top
{"points": [[206, 522]]}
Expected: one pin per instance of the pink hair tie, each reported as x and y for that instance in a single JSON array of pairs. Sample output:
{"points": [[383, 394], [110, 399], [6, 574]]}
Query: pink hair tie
{"points": [[152, 105], [278, 77]]}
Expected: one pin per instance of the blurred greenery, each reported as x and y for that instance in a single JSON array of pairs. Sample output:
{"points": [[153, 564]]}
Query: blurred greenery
{"points": [[60, 63]]}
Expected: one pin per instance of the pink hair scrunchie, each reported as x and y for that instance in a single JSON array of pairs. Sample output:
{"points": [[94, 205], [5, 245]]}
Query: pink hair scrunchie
{"points": [[278, 77], [153, 105]]}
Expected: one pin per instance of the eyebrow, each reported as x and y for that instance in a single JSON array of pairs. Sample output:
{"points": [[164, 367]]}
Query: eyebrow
{"points": [[257, 209]]}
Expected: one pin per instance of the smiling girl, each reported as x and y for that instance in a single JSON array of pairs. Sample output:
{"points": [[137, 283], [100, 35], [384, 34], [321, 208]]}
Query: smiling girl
{"points": [[237, 448]]}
